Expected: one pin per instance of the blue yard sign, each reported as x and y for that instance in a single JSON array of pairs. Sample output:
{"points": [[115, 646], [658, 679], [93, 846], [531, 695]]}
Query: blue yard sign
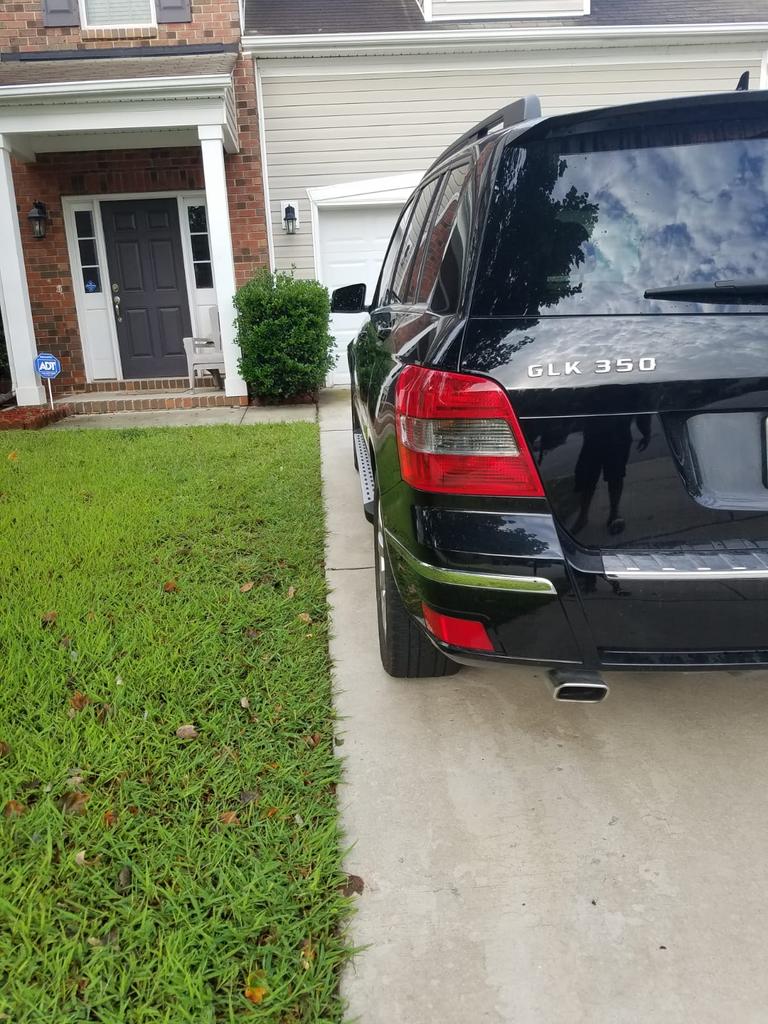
{"points": [[48, 366]]}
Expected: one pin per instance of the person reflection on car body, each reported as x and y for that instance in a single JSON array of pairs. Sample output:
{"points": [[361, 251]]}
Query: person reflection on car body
{"points": [[607, 442]]}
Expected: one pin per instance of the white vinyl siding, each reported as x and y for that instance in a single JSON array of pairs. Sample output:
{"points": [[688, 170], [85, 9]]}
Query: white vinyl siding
{"points": [[117, 13], [335, 120], [479, 9]]}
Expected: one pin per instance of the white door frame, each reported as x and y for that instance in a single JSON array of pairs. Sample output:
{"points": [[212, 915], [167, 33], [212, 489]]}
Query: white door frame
{"points": [[69, 206]]}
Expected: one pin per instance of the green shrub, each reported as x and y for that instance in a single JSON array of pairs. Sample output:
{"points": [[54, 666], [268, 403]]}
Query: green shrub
{"points": [[282, 330]]}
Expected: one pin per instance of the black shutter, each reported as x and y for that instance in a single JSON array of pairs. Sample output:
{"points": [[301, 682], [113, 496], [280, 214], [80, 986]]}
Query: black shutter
{"points": [[61, 12], [173, 11]]}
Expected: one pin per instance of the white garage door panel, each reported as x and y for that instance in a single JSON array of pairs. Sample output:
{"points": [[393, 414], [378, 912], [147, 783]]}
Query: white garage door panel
{"points": [[352, 245]]}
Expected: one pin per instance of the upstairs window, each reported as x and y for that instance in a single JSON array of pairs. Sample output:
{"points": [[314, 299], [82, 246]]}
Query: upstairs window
{"points": [[117, 13]]}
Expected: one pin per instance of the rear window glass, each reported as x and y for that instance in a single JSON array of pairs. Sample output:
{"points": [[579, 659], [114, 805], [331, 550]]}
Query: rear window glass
{"points": [[588, 224]]}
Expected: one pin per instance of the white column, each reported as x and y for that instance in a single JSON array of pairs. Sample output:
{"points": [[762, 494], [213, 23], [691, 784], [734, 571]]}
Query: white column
{"points": [[14, 294], [220, 239]]}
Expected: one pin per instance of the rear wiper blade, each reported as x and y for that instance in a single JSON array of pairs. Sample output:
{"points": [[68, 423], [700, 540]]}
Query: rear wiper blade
{"points": [[754, 290]]}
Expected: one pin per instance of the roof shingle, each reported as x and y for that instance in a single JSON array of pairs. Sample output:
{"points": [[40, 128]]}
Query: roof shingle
{"points": [[300, 17]]}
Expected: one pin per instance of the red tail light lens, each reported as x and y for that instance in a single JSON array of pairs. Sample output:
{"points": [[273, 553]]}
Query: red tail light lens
{"points": [[458, 434], [459, 632]]}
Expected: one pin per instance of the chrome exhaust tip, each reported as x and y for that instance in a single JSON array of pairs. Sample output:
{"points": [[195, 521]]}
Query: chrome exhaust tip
{"points": [[575, 686]]}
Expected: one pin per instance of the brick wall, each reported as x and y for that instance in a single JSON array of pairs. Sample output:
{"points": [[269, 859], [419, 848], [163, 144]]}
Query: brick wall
{"points": [[22, 29], [123, 171]]}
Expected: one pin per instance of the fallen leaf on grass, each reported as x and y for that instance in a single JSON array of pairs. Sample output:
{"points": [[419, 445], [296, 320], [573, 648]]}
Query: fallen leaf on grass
{"points": [[291, 591], [48, 619], [246, 587], [79, 700], [82, 862], [133, 810], [13, 456], [187, 732], [124, 879], [314, 739], [5, 748], [304, 617], [272, 812], [244, 702], [13, 809], [170, 587], [255, 994], [74, 803], [308, 954], [353, 886], [103, 712], [229, 818], [249, 796], [109, 819]]}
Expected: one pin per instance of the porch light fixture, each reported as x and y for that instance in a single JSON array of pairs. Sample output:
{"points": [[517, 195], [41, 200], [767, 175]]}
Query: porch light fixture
{"points": [[38, 218], [290, 220]]}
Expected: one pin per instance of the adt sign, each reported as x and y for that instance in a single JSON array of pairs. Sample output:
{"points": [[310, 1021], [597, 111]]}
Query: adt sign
{"points": [[47, 365]]}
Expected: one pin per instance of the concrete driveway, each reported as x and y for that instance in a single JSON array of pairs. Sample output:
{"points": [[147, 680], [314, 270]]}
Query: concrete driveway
{"points": [[542, 863]]}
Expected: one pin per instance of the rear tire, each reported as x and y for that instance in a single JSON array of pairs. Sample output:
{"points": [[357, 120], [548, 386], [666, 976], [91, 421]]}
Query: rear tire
{"points": [[406, 653]]}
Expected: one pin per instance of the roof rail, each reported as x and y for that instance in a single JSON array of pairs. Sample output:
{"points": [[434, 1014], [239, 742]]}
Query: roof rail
{"points": [[525, 109]]}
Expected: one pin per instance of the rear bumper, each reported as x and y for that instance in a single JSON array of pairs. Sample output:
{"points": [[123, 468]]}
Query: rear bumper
{"points": [[508, 571]]}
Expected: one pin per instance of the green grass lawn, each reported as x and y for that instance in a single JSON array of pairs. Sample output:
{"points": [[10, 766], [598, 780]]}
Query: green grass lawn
{"points": [[151, 580]]}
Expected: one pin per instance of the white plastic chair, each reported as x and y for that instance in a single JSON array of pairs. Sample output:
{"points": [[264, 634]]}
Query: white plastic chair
{"points": [[205, 353]]}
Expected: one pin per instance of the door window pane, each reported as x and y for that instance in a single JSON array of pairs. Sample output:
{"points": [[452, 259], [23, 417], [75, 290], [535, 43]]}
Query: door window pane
{"points": [[118, 12], [201, 249], [443, 221], [89, 257], [411, 242], [203, 275]]}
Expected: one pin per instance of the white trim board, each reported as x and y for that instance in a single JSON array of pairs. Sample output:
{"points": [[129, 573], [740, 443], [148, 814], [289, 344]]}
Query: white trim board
{"points": [[548, 58], [445, 39]]}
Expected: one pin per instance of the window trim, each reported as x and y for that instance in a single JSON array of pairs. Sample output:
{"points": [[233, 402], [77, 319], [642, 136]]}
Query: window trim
{"points": [[111, 27]]}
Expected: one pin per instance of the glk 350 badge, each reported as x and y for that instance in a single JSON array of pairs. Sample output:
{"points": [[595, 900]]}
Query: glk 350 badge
{"points": [[647, 364]]}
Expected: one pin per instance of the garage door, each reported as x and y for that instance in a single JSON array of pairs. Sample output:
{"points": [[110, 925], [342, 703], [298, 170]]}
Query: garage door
{"points": [[353, 243]]}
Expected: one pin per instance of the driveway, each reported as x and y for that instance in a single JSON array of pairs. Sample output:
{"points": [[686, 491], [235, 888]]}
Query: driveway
{"points": [[540, 863]]}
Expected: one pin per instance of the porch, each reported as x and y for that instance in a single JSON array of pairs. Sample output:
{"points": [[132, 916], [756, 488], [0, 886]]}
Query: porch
{"points": [[127, 157]]}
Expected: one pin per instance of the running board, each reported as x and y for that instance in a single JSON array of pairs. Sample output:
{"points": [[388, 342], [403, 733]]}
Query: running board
{"points": [[365, 470]]}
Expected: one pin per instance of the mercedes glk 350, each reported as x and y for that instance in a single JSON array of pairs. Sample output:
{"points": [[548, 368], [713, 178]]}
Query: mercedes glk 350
{"points": [[560, 396]]}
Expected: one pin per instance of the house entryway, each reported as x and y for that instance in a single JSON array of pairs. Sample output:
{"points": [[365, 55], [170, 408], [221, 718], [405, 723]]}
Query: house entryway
{"points": [[147, 285]]}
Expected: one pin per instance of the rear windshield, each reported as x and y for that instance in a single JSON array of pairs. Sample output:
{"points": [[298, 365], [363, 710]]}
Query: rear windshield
{"points": [[588, 224]]}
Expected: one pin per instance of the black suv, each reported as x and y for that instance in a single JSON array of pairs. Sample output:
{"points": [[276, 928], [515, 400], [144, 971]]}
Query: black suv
{"points": [[560, 399]]}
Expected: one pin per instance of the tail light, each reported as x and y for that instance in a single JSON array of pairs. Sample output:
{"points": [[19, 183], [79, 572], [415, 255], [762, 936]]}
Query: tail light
{"points": [[466, 633], [458, 434]]}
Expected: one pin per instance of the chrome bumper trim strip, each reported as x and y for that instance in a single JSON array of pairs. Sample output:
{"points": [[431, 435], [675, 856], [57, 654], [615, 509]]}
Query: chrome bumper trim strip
{"points": [[463, 578]]}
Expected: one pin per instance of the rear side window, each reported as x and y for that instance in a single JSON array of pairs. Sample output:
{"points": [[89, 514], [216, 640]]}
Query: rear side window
{"points": [[402, 276], [587, 224], [444, 222]]}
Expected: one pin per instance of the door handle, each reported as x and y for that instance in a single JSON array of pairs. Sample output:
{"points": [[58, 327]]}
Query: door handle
{"points": [[116, 304]]}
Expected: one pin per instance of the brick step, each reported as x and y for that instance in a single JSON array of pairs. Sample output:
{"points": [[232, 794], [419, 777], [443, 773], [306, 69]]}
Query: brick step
{"points": [[96, 403], [147, 384]]}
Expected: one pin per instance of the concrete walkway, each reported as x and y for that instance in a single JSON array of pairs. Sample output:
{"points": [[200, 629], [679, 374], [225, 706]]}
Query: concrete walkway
{"points": [[190, 417], [527, 862]]}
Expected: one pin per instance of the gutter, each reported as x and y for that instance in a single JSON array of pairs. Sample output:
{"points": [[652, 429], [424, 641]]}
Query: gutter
{"points": [[322, 44], [189, 84]]}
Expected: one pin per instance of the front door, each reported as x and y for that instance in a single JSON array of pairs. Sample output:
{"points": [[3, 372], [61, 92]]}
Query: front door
{"points": [[148, 287]]}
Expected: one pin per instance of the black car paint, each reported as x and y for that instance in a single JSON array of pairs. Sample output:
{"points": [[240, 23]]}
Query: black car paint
{"points": [[714, 364]]}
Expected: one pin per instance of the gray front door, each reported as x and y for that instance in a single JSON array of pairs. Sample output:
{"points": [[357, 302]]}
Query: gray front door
{"points": [[148, 287]]}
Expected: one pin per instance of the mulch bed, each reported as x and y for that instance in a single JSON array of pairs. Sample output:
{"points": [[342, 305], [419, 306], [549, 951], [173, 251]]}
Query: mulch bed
{"points": [[31, 417]]}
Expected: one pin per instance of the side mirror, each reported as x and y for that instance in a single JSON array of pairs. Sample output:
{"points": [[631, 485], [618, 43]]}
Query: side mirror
{"points": [[349, 300]]}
